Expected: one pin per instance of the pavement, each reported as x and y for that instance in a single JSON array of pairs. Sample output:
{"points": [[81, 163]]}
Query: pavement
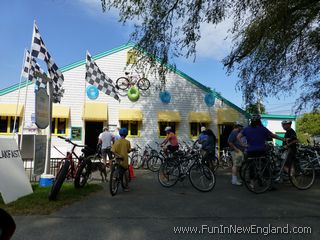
{"points": [[150, 211]]}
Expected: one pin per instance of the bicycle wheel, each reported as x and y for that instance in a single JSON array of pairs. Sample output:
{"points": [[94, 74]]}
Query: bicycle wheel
{"points": [[213, 164], [201, 177], [242, 169], [154, 163], [135, 161], [258, 176], [302, 174], [65, 164], [114, 180], [122, 83], [82, 174], [143, 84], [168, 174]]}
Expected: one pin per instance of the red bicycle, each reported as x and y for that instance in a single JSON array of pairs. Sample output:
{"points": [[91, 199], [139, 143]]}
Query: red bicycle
{"points": [[123, 83], [68, 168]]}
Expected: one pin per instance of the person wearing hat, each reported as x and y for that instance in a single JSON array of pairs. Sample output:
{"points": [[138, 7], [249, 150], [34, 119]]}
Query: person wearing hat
{"points": [[290, 145], [171, 139], [105, 139], [236, 153]]}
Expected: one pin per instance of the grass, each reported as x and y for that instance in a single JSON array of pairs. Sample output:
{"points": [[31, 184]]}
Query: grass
{"points": [[38, 203]]}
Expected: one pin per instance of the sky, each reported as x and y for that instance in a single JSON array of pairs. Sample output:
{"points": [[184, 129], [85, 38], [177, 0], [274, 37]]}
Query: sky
{"points": [[71, 27]]}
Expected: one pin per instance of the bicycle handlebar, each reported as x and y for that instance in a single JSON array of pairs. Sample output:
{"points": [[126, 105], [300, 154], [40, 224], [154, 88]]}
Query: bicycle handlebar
{"points": [[69, 141]]}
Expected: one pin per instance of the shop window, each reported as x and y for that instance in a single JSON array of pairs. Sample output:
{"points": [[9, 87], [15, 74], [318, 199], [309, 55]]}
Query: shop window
{"points": [[195, 129], [59, 126], [163, 125], [132, 126], [7, 124]]}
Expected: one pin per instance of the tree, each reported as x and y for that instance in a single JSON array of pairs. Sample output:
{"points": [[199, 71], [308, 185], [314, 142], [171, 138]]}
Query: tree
{"points": [[276, 42], [256, 108], [308, 126]]}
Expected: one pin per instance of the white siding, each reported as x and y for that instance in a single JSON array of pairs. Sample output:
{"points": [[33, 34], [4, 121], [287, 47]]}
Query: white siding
{"points": [[185, 97]]}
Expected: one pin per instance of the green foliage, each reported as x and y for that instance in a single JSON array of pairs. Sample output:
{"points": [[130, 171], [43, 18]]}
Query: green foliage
{"points": [[256, 108], [308, 126], [276, 42], [37, 203]]}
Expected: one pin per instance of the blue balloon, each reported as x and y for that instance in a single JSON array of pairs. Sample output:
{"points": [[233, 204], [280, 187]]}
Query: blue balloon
{"points": [[209, 99], [92, 92], [165, 96]]}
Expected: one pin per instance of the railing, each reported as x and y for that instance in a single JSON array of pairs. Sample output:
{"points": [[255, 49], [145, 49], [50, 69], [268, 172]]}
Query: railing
{"points": [[29, 164]]}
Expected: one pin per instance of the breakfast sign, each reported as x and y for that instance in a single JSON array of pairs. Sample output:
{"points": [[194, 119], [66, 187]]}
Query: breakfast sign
{"points": [[14, 182]]}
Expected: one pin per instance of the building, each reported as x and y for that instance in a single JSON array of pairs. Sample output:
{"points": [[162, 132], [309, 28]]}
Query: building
{"points": [[82, 119]]}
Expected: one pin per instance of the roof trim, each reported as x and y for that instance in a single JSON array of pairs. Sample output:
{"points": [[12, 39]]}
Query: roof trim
{"points": [[131, 45], [273, 116]]}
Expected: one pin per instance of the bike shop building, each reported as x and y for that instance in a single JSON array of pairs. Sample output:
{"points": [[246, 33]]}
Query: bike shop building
{"points": [[185, 108]]}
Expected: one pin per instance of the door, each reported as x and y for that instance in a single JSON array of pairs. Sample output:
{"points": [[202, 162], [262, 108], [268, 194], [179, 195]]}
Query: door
{"points": [[92, 131]]}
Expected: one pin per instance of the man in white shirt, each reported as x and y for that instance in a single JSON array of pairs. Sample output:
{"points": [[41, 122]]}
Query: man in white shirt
{"points": [[105, 139]]}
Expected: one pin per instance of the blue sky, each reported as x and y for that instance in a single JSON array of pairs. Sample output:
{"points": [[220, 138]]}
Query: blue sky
{"points": [[70, 27]]}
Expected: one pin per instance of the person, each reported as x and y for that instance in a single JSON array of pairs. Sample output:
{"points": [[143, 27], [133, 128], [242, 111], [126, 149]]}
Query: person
{"points": [[256, 135], [105, 139], [117, 135], [203, 136], [171, 139], [290, 145], [7, 225], [209, 147], [236, 153], [121, 148]]}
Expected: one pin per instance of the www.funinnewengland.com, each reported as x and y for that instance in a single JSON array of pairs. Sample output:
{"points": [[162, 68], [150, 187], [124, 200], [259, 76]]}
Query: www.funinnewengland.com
{"points": [[237, 229]]}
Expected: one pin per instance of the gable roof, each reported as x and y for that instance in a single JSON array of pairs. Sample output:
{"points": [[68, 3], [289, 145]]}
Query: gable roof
{"points": [[123, 47]]}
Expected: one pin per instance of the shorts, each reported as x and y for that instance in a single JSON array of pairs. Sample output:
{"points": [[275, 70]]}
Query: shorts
{"points": [[172, 148], [105, 152], [237, 158]]}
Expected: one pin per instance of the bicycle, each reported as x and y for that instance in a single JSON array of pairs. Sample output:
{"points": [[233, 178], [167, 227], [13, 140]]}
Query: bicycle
{"points": [[179, 167], [123, 83], [85, 169], [261, 172], [225, 158], [117, 175], [67, 168]]}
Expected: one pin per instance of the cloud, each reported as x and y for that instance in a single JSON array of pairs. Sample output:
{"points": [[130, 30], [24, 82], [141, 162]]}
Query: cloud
{"points": [[215, 42], [93, 9]]}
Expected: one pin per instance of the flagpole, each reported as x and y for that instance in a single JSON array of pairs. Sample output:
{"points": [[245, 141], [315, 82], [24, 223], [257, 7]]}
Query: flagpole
{"points": [[27, 84], [18, 100]]}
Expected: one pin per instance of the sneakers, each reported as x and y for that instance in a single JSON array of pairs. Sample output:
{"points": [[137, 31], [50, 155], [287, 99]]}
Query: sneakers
{"points": [[237, 183]]}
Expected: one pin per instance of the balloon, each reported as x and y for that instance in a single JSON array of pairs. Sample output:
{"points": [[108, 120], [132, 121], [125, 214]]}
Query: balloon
{"points": [[92, 92], [209, 99], [165, 96]]}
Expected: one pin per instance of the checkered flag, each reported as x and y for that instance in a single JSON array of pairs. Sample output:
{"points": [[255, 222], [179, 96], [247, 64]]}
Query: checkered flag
{"points": [[31, 63], [98, 78], [40, 51]]}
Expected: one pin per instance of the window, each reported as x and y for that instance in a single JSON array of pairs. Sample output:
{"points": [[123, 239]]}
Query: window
{"points": [[132, 126], [132, 57], [195, 129], [163, 125], [7, 124], [59, 126]]}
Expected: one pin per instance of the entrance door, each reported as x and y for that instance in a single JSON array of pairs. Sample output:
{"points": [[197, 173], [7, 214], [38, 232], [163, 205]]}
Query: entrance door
{"points": [[93, 129], [225, 131]]}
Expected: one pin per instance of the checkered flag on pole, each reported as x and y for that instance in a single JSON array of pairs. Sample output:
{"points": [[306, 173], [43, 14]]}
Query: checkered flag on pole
{"points": [[98, 78], [30, 67], [40, 51]]}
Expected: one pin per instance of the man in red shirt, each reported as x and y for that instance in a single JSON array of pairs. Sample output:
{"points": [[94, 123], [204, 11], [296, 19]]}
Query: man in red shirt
{"points": [[172, 139]]}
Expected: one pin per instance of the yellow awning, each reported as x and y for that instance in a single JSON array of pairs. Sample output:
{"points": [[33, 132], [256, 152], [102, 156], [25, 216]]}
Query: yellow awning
{"points": [[168, 116], [130, 115], [9, 110], [60, 111], [199, 117], [228, 115], [95, 111]]}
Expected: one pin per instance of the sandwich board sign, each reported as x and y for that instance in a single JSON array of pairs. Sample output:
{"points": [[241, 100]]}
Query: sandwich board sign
{"points": [[14, 182], [42, 109]]}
